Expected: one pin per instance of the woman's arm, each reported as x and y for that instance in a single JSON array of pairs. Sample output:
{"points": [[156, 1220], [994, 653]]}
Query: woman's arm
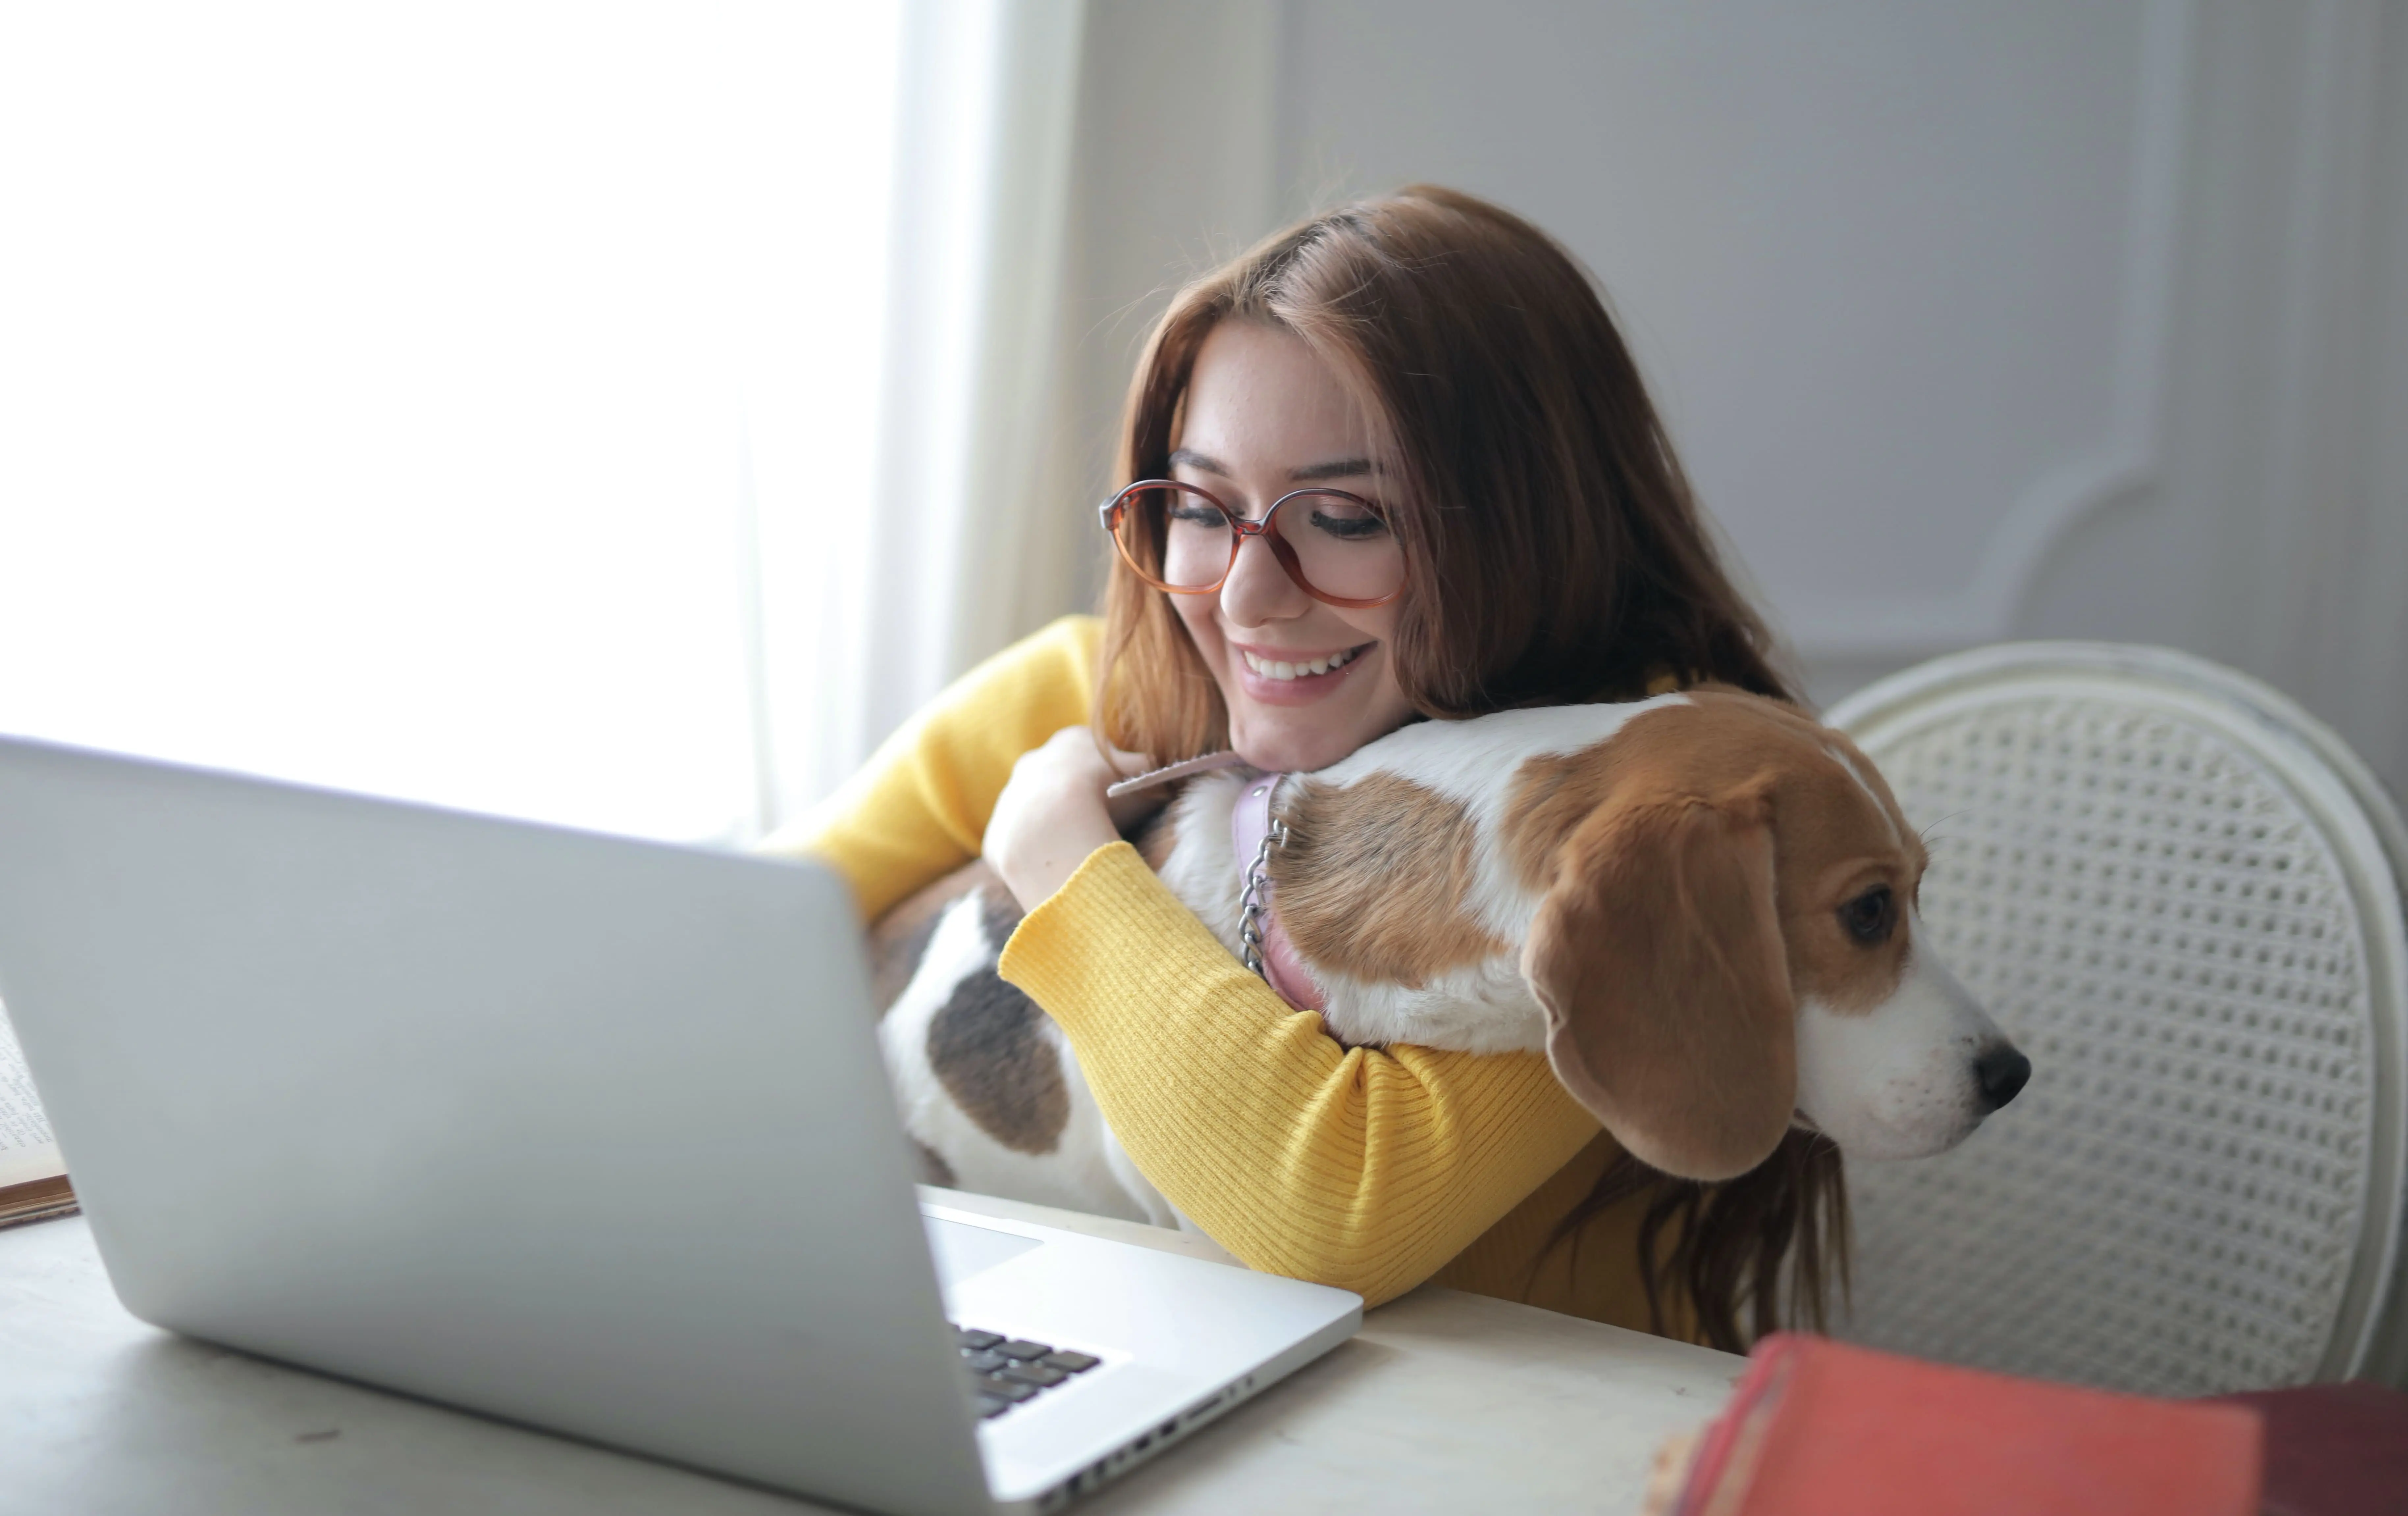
{"points": [[919, 807], [1361, 1168]]}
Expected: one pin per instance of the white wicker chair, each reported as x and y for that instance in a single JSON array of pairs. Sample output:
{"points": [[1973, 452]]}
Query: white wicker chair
{"points": [[2180, 894]]}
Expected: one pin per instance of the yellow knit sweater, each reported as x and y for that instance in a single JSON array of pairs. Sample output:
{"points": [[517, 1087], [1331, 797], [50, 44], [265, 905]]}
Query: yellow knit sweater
{"points": [[1372, 1169]]}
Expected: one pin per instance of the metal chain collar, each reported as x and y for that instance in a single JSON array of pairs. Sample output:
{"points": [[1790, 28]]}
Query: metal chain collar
{"points": [[1249, 902]]}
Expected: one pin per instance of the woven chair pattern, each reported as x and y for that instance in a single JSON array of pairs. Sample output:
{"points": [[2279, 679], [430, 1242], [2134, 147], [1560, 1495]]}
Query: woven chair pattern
{"points": [[2174, 1204]]}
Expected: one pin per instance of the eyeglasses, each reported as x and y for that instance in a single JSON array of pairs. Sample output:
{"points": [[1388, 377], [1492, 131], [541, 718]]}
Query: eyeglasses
{"points": [[1336, 547]]}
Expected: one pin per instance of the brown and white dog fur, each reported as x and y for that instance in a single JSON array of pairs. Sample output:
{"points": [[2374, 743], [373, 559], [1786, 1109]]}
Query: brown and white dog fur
{"points": [[1702, 907]]}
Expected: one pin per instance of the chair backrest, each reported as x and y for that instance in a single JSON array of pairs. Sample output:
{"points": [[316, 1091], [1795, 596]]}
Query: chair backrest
{"points": [[2180, 894]]}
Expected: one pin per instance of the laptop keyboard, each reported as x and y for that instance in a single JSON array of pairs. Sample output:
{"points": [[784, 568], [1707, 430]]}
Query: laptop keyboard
{"points": [[1012, 1371]]}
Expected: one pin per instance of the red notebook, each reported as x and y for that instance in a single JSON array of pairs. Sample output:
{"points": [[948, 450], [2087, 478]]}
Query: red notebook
{"points": [[1820, 1428]]}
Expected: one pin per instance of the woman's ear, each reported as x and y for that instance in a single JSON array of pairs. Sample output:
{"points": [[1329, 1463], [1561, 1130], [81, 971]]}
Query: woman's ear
{"points": [[1658, 958]]}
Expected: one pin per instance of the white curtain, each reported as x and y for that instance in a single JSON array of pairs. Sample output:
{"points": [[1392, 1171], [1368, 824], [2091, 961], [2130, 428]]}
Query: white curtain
{"points": [[621, 416], [968, 539]]}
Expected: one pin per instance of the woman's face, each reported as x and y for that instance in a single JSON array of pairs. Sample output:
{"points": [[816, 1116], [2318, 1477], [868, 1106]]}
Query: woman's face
{"points": [[1265, 416]]}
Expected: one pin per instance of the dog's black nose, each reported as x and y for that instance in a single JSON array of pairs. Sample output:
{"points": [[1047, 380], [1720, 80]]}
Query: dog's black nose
{"points": [[2002, 1072]]}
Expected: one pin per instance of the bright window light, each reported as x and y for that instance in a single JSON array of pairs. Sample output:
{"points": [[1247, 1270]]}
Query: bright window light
{"points": [[376, 383]]}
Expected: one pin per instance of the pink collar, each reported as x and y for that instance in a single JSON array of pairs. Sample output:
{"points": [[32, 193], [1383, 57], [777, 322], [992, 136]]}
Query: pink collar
{"points": [[1249, 824]]}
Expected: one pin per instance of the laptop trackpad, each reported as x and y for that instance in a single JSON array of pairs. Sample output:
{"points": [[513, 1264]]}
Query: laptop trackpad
{"points": [[963, 1251]]}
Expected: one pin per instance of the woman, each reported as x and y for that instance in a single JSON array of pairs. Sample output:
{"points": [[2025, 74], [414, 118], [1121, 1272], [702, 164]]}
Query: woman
{"points": [[1492, 516]]}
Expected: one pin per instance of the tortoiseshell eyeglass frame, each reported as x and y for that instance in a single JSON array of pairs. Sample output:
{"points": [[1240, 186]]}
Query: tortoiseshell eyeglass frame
{"points": [[1112, 510]]}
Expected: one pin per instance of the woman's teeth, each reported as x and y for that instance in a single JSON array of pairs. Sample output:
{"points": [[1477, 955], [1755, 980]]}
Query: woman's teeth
{"points": [[1268, 668]]}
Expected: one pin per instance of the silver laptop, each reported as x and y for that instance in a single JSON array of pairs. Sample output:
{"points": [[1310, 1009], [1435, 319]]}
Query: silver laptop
{"points": [[582, 1132]]}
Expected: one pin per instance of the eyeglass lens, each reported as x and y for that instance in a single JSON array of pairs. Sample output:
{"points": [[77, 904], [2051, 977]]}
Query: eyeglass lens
{"points": [[1342, 547]]}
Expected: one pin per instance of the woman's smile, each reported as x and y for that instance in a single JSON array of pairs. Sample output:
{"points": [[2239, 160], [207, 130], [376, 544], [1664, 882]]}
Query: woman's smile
{"points": [[1284, 676]]}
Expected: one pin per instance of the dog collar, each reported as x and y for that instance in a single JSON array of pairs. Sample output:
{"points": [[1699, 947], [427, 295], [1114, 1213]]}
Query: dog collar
{"points": [[1253, 832], [1169, 772]]}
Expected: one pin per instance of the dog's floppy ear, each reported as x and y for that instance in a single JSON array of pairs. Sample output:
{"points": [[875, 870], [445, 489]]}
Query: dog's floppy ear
{"points": [[1658, 957]]}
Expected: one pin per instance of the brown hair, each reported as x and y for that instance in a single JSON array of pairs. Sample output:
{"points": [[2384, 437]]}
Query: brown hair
{"points": [[1554, 552], [1731, 1239]]}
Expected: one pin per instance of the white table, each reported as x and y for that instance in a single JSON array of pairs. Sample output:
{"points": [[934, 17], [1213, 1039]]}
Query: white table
{"points": [[1445, 1402]]}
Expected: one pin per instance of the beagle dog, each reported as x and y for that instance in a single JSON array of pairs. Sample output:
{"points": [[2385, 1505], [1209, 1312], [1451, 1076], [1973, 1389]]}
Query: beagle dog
{"points": [[1700, 907]]}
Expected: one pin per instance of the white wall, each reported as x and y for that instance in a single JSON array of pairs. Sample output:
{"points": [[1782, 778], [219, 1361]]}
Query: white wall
{"points": [[2015, 320]]}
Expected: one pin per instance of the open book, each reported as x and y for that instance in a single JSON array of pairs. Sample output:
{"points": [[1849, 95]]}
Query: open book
{"points": [[33, 1177]]}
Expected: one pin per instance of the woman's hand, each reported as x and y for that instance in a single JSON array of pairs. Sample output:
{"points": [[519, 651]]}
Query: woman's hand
{"points": [[1052, 813]]}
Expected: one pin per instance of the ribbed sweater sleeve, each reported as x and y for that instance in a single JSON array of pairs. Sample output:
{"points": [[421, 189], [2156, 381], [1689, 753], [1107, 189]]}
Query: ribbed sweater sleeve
{"points": [[1359, 1167]]}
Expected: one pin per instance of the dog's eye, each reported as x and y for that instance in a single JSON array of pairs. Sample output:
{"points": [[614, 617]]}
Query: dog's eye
{"points": [[1871, 916]]}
